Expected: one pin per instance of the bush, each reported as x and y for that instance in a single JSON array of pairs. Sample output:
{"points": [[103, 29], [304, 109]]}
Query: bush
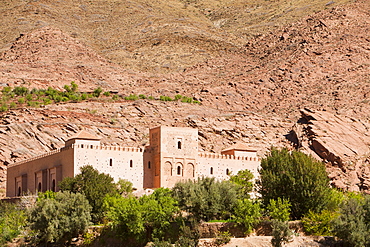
{"points": [[107, 94], [222, 238], [21, 100], [97, 92], [279, 209], [353, 223], [165, 98], [319, 224], [131, 97], [296, 177], [280, 233], [12, 222], [20, 91], [60, 218]]}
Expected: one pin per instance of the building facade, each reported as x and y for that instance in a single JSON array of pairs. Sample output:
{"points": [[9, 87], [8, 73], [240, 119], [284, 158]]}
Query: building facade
{"points": [[172, 156]]}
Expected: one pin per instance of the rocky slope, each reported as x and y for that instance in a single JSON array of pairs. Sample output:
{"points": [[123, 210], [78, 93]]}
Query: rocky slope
{"points": [[251, 94]]}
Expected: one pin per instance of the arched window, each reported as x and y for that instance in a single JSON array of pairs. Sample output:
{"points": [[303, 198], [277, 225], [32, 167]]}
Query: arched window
{"points": [[148, 164], [111, 162], [131, 163], [39, 187], [82, 146], [227, 171], [178, 144], [178, 170], [211, 170], [19, 191]]}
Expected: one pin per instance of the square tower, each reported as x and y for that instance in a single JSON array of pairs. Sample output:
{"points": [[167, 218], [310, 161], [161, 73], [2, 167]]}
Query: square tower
{"points": [[174, 154]]}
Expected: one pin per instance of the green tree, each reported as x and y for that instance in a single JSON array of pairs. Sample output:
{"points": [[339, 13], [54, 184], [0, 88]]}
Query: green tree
{"points": [[353, 224], [124, 187], [206, 198], [296, 177], [247, 214], [149, 216], [125, 216], [92, 184], [60, 218], [244, 179], [12, 221]]}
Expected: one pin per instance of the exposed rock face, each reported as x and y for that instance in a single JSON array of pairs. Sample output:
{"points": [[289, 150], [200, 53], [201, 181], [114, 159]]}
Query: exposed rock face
{"points": [[341, 142]]}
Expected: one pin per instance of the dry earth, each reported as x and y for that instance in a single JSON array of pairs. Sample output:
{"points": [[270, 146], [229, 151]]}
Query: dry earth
{"points": [[251, 93]]}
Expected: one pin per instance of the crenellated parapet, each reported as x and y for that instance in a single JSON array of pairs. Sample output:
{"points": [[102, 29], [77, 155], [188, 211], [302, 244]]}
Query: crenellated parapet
{"points": [[111, 148], [228, 157], [58, 150]]}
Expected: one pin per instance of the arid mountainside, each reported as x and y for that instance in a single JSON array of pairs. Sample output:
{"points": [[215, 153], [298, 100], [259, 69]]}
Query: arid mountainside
{"points": [[251, 88], [157, 36]]}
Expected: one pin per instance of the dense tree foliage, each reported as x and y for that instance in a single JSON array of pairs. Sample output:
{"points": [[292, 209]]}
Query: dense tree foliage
{"points": [[243, 179], [12, 221], [279, 209], [247, 214], [60, 217], [353, 223], [148, 216], [206, 198], [94, 186], [296, 177]]}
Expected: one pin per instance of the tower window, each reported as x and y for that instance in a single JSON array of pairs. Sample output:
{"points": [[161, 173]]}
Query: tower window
{"points": [[111, 162], [148, 164], [131, 163], [39, 187], [211, 170], [178, 170], [227, 172], [178, 144]]}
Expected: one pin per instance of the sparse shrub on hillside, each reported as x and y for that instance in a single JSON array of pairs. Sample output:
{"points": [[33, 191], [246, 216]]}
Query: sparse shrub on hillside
{"points": [[12, 105], [20, 91], [3, 107], [142, 96], [107, 94], [60, 218], [131, 97], [97, 92], [165, 98], [115, 97]]}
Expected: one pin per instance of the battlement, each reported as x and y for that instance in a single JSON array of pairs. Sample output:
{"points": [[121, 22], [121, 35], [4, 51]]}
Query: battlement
{"points": [[112, 148], [58, 150], [230, 157]]}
